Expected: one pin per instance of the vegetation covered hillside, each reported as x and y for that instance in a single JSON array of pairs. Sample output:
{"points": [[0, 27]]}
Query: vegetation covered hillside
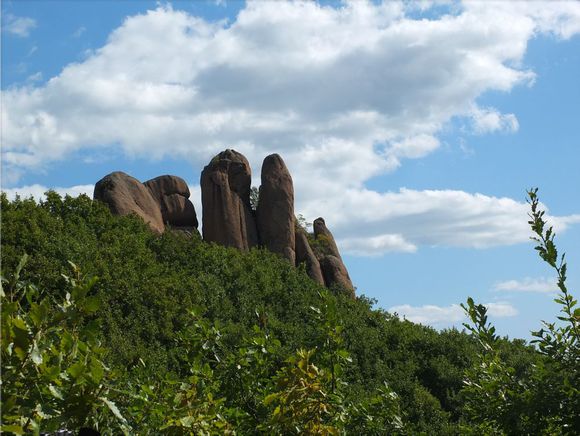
{"points": [[110, 326]]}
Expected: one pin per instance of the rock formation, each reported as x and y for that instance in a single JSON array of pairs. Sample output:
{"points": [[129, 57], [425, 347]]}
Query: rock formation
{"points": [[225, 196], [275, 213], [172, 196], [126, 195], [159, 202], [228, 218], [304, 254], [333, 268], [335, 272], [322, 233]]}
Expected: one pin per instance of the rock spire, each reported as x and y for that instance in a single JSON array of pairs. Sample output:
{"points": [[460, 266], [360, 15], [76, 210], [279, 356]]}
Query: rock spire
{"points": [[225, 196], [275, 212]]}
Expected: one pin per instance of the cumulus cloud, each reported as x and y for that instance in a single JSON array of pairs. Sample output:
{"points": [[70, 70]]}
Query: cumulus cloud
{"points": [[38, 191], [541, 285], [18, 26], [344, 93], [421, 218], [443, 316], [283, 76]]}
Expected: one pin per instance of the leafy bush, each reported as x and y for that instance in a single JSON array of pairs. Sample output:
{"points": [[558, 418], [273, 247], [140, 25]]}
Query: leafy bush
{"points": [[53, 375], [194, 337], [545, 399]]}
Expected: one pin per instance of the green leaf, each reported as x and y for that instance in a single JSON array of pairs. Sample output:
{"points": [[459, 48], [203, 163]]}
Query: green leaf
{"points": [[187, 421], [270, 398], [20, 324], [92, 304], [113, 408], [97, 370], [35, 354], [76, 370], [56, 393], [16, 429]]}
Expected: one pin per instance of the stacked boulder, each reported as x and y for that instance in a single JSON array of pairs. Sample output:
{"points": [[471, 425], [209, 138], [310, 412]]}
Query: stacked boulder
{"points": [[172, 195], [160, 202]]}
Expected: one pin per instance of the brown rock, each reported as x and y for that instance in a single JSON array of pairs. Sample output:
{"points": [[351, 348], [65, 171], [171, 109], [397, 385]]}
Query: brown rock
{"points": [[172, 195], [335, 273], [304, 254], [275, 214], [126, 195], [225, 195], [326, 239]]}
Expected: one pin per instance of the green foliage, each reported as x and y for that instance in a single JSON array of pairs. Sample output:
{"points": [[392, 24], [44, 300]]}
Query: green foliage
{"points": [[254, 197], [53, 375], [301, 223], [194, 337], [545, 399]]}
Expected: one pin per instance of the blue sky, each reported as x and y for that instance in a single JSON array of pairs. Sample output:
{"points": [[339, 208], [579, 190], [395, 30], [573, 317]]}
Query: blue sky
{"points": [[413, 129]]}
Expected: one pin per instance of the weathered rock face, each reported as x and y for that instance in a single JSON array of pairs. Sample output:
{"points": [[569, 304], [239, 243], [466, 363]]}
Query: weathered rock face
{"points": [[322, 233], [275, 213], [172, 196], [304, 254], [333, 268], [125, 195], [335, 273], [225, 195]]}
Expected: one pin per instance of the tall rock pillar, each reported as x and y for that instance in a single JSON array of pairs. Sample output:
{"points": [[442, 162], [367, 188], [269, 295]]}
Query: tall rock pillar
{"points": [[275, 214], [225, 195]]}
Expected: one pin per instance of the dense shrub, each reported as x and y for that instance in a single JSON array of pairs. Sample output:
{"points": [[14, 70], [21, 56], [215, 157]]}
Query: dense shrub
{"points": [[183, 326]]}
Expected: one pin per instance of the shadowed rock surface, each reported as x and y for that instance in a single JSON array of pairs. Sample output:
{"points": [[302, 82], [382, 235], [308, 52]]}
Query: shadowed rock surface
{"points": [[225, 195], [275, 213], [335, 273], [322, 233], [172, 195], [304, 254], [126, 195]]}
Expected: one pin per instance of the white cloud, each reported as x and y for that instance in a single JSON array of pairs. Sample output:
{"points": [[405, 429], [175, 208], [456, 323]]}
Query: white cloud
{"points": [[37, 191], [487, 120], [376, 245], [420, 218], [540, 285], [18, 26], [195, 197], [286, 77], [344, 94], [430, 314], [444, 316], [501, 309]]}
